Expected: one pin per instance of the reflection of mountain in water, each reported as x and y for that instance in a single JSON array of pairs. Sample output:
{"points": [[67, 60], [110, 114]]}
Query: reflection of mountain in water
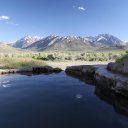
{"points": [[119, 102]]}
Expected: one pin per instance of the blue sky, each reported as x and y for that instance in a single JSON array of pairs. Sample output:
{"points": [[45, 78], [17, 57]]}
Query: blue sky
{"points": [[63, 17]]}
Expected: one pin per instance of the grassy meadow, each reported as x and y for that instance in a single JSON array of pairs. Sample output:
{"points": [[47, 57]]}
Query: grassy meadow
{"points": [[18, 59]]}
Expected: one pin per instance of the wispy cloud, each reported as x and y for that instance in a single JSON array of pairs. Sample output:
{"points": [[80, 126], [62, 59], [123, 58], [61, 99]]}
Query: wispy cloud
{"points": [[4, 18], [12, 23], [80, 8], [7, 20]]}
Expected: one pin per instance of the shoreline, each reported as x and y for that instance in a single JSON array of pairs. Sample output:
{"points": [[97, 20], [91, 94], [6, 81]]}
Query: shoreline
{"points": [[31, 69], [55, 64], [86, 71]]}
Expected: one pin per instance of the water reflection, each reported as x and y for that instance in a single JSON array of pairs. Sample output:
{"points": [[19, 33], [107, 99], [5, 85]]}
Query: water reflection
{"points": [[119, 102], [86, 79], [4, 83], [58, 101]]}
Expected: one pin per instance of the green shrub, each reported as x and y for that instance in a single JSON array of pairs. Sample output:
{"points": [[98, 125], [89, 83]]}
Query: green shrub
{"points": [[124, 57]]}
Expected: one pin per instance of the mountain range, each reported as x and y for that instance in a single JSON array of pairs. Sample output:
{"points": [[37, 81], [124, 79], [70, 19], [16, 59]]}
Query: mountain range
{"points": [[70, 43]]}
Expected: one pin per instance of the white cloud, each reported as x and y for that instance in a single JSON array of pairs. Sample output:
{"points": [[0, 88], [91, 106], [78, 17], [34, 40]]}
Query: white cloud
{"points": [[7, 20], [4, 18], [81, 8]]}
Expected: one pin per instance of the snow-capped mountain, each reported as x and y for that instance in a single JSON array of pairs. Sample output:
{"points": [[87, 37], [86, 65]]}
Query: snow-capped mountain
{"points": [[69, 43], [65, 43], [26, 41], [108, 40]]}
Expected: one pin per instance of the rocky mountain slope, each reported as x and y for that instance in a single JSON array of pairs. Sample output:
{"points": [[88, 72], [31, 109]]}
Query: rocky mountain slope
{"points": [[69, 43], [26, 41], [107, 39]]}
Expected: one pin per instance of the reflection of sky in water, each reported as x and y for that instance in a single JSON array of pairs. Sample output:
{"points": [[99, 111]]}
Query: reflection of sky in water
{"points": [[4, 82], [7, 80], [5, 86], [56, 99], [79, 96]]}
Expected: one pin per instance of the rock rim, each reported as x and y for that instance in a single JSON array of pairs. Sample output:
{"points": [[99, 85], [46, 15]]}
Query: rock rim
{"points": [[100, 76], [31, 69], [119, 67]]}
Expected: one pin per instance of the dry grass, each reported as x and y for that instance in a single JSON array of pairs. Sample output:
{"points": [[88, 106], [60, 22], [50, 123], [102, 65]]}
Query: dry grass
{"points": [[11, 63], [22, 59]]}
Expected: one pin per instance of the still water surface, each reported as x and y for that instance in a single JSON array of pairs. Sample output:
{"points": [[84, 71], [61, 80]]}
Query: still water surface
{"points": [[54, 101]]}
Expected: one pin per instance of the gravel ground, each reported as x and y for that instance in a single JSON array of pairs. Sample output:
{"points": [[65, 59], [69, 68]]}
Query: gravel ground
{"points": [[63, 65]]}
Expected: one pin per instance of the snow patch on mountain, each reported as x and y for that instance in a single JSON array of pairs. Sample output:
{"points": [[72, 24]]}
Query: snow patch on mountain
{"points": [[26, 41]]}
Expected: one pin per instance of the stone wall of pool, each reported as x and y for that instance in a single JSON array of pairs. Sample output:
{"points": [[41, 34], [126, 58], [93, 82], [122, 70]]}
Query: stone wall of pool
{"points": [[100, 76]]}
